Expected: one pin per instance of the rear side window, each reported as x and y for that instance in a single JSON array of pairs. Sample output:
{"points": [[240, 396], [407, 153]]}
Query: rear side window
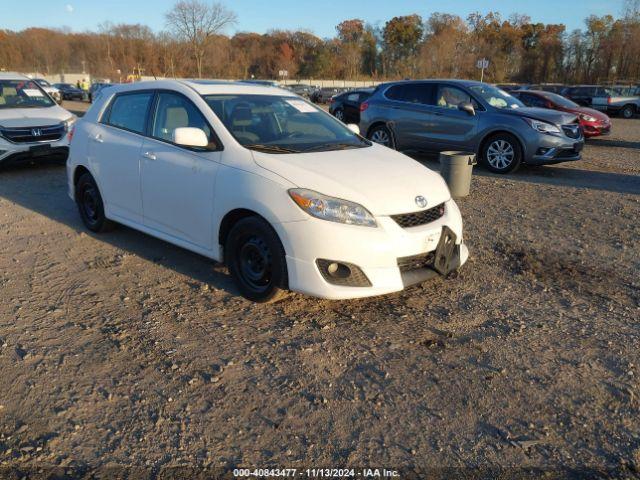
{"points": [[129, 111], [174, 111], [533, 101], [411, 93]]}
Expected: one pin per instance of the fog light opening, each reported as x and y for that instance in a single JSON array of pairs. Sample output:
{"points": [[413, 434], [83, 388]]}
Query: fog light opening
{"points": [[339, 270], [342, 273]]}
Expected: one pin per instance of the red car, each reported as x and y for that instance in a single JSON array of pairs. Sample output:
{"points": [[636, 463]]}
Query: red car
{"points": [[593, 122]]}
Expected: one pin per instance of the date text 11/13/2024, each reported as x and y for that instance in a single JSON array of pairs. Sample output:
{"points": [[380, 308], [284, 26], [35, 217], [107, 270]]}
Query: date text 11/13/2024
{"points": [[316, 472]]}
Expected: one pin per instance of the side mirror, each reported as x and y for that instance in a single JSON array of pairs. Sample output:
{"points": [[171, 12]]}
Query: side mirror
{"points": [[354, 128], [467, 107], [190, 137]]}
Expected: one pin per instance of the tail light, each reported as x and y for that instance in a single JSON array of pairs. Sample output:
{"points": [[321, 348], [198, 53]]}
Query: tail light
{"points": [[364, 106], [609, 100], [331, 100], [71, 132]]}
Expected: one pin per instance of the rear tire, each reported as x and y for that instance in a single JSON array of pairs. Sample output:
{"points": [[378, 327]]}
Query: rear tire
{"points": [[90, 205], [339, 114], [501, 153], [382, 135], [628, 112], [256, 261]]}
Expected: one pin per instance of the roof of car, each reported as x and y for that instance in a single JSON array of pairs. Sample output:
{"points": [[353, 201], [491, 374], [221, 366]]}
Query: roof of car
{"points": [[208, 87], [13, 76], [538, 92], [463, 83]]}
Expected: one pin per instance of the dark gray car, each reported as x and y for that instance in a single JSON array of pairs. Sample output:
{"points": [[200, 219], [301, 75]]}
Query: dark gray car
{"points": [[439, 115]]}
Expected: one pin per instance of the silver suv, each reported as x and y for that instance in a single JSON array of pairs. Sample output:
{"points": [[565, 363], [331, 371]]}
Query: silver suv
{"points": [[439, 115]]}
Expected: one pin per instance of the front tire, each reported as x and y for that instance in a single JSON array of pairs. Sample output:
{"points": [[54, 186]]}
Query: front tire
{"points": [[501, 153], [628, 112], [382, 135], [256, 261], [90, 205]]}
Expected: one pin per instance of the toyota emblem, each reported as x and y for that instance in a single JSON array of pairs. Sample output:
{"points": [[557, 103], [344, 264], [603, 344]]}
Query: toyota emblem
{"points": [[421, 201]]}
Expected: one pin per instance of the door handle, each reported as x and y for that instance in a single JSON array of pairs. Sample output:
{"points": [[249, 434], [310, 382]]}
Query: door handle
{"points": [[438, 114], [149, 155], [98, 138]]}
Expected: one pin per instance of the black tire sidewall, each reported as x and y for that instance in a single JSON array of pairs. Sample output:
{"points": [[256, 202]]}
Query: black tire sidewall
{"points": [[387, 130], [629, 110], [517, 161], [101, 222], [241, 230]]}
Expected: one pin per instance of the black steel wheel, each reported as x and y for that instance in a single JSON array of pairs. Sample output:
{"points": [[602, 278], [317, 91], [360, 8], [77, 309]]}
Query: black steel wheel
{"points": [[90, 205], [256, 260]]}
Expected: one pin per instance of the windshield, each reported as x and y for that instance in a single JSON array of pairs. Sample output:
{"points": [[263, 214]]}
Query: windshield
{"points": [[281, 124], [560, 100], [495, 97], [23, 94]]}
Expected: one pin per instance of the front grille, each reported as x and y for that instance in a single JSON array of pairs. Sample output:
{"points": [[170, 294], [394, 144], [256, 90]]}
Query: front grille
{"points": [[572, 131], [408, 220], [416, 262], [49, 133]]}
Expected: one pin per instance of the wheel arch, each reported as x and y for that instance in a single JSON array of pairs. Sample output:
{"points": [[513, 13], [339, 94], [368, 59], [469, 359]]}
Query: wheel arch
{"points": [[78, 172], [488, 135], [233, 217]]}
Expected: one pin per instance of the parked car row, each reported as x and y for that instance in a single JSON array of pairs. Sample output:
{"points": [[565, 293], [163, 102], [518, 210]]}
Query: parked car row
{"points": [[302, 201], [435, 116], [623, 100]]}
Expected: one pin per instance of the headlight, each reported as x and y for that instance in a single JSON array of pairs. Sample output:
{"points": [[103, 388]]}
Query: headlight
{"points": [[332, 209], [542, 127], [68, 123], [588, 118]]}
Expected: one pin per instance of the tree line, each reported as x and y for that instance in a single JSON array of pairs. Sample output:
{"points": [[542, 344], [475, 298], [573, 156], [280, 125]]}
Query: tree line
{"points": [[444, 45]]}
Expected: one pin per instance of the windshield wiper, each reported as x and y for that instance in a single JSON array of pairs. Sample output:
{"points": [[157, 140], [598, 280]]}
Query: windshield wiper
{"points": [[333, 146], [271, 148]]}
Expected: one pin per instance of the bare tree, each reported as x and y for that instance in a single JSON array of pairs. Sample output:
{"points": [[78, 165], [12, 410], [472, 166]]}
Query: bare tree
{"points": [[196, 23]]}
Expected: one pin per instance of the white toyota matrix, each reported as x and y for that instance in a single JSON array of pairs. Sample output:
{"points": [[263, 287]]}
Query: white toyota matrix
{"points": [[286, 195]]}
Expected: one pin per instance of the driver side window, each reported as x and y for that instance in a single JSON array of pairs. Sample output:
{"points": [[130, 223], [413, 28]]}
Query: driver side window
{"points": [[451, 97], [175, 111]]}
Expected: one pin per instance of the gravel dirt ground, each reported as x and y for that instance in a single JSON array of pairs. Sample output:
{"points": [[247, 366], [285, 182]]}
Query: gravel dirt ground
{"points": [[125, 354]]}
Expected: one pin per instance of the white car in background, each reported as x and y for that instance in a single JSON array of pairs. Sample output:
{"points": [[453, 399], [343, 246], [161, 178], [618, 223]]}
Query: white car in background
{"points": [[50, 89], [32, 125], [286, 195]]}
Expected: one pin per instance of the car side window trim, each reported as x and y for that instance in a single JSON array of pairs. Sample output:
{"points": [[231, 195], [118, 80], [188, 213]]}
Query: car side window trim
{"points": [[152, 117], [106, 115]]}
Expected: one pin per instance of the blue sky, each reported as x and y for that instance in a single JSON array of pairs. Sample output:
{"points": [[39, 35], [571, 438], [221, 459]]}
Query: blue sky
{"points": [[318, 16]]}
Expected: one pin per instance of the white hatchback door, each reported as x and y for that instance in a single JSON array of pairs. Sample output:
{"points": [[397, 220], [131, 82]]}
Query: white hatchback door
{"points": [[178, 182], [114, 153]]}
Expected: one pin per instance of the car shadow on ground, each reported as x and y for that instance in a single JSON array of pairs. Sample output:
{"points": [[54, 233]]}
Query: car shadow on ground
{"points": [[42, 188], [606, 142], [556, 175]]}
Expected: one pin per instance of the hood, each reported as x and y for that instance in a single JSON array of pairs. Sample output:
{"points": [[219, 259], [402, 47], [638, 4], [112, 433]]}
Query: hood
{"points": [[384, 181], [550, 116], [32, 117]]}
